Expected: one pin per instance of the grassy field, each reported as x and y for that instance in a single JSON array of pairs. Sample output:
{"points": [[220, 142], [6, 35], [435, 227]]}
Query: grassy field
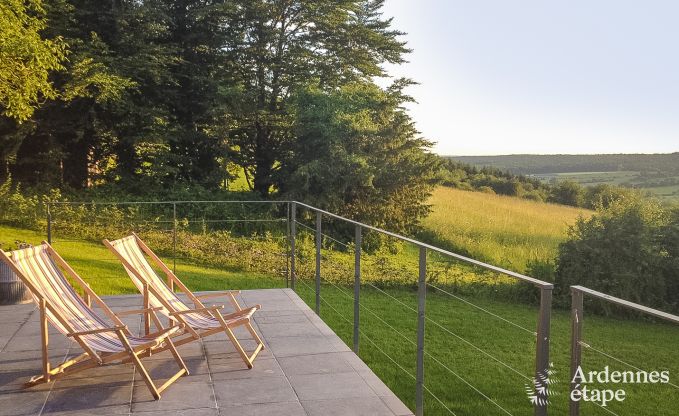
{"points": [[464, 344], [498, 229]]}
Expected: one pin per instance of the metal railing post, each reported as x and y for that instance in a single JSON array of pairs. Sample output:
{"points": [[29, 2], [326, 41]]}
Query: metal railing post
{"points": [[542, 347], [577, 309], [293, 233], [357, 286], [287, 245], [421, 301], [318, 263], [174, 240], [49, 224]]}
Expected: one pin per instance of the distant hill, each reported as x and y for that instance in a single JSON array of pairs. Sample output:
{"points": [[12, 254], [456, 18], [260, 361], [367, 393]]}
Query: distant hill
{"points": [[667, 163]]}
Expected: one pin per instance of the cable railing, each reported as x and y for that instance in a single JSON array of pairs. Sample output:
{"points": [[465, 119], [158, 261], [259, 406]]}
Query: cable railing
{"points": [[320, 237], [285, 223], [281, 221], [578, 294]]}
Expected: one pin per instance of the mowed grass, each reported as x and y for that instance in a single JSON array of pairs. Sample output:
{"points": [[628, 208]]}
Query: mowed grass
{"points": [[501, 230], [469, 353]]}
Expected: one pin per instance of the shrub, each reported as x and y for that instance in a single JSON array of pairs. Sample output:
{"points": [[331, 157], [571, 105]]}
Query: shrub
{"points": [[628, 250]]}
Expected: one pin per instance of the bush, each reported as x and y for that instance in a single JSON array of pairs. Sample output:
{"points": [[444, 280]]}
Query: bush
{"points": [[628, 250]]}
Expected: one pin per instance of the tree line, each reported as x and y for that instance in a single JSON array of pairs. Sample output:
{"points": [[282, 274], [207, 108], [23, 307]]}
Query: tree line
{"points": [[661, 163], [496, 181], [163, 94]]}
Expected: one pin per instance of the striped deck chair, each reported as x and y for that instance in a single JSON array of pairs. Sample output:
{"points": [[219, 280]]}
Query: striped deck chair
{"points": [[198, 321], [40, 269]]}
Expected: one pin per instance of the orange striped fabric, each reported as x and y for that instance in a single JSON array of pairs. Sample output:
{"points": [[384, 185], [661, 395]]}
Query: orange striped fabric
{"points": [[128, 248], [39, 268]]}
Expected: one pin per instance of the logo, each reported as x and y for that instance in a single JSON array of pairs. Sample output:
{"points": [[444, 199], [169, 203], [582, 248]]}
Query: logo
{"points": [[582, 381], [540, 389]]}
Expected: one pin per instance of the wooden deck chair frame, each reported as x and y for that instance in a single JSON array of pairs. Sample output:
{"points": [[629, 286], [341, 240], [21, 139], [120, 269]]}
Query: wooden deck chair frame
{"points": [[226, 322], [91, 358]]}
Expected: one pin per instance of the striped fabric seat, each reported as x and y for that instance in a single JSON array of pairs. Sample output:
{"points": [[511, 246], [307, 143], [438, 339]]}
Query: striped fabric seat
{"points": [[39, 268], [128, 248], [198, 321]]}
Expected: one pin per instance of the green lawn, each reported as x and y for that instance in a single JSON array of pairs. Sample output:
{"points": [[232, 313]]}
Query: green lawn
{"points": [[650, 346], [455, 333], [99, 267]]}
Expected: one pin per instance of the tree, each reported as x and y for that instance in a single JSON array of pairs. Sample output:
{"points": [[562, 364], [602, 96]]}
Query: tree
{"points": [[26, 58], [567, 193], [107, 98], [278, 48], [357, 153]]}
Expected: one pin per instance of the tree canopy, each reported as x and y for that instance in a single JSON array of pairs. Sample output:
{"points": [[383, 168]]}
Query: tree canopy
{"points": [[164, 93], [26, 58]]}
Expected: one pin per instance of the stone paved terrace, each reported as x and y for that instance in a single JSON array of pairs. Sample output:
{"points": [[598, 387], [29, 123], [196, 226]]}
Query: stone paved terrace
{"points": [[305, 370]]}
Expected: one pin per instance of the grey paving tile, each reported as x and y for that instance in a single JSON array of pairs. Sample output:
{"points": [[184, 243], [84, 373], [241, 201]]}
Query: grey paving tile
{"points": [[31, 359], [226, 349], [287, 346], [179, 396], [182, 412], [291, 329], [254, 390], [354, 361], [240, 332], [99, 399], [315, 364], [273, 313], [25, 402], [325, 374], [34, 343], [9, 329], [264, 409], [187, 351], [330, 386], [104, 376], [363, 406], [376, 384], [396, 406], [164, 369], [281, 319], [233, 369]]}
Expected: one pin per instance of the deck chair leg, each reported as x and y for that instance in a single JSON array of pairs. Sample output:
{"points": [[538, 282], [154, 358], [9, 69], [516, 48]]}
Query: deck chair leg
{"points": [[45, 340], [239, 347], [254, 334], [177, 357], [140, 367]]}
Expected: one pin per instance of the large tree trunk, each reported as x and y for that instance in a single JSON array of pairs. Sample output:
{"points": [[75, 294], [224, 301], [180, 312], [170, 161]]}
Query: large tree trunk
{"points": [[76, 162], [264, 162]]}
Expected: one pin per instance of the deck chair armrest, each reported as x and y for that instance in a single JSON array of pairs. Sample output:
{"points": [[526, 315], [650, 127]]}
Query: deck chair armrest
{"points": [[98, 331], [198, 310], [240, 313], [164, 332], [138, 311], [218, 294]]}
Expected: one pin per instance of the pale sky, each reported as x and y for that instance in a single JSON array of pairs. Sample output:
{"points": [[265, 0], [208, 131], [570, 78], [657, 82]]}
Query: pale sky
{"points": [[543, 76]]}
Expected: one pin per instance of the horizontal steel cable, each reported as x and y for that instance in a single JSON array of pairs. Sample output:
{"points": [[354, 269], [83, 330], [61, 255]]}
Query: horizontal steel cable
{"points": [[587, 346], [383, 352], [483, 309], [487, 354], [431, 356]]}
